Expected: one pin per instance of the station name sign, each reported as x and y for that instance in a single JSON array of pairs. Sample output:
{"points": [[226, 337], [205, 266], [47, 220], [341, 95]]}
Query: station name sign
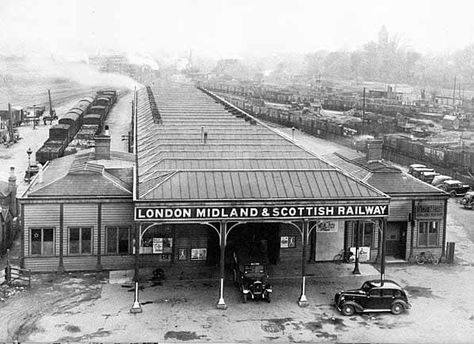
{"points": [[222, 213]]}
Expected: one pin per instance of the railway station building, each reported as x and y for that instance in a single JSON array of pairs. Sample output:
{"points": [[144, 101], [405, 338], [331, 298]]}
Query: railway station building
{"points": [[417, 210], [205, 179]]}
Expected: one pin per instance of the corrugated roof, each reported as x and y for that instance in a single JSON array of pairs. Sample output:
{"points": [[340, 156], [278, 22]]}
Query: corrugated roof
{"points": [[255, 185], [381, 175], [241, 159], [81, 175], [353, 169], [87, 183]]}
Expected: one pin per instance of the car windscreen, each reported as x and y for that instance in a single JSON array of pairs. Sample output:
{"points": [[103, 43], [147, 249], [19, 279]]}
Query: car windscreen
{"points": [[256, 269], [367, 286]]}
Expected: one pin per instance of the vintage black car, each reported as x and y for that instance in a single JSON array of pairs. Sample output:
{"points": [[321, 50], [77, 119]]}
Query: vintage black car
{"points": [[250, 274], [413, 167], [454, 187], [468, 200], [31, 172], [373, 296]]}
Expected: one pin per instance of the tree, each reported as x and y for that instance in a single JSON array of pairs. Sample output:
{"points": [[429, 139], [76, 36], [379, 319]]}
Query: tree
{"points": [[464, 62]]}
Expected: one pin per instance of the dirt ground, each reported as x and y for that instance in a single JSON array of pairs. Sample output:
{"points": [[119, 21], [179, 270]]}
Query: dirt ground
{"points": [[78, 307]]}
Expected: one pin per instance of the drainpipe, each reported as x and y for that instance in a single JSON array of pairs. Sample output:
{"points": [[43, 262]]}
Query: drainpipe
{"points": [[445, 216], [382, 262], [412, 224]]}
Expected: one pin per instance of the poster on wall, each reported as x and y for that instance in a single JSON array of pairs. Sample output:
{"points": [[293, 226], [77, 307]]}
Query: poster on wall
{"points": [[157, 245], [162, 245], [364, 253], [199, 254], [326, 226], [182, 254], [287, 241]]}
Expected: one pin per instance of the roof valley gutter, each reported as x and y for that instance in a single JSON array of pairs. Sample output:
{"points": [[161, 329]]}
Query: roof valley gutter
{"points": [[32, 182], [135, 143]]}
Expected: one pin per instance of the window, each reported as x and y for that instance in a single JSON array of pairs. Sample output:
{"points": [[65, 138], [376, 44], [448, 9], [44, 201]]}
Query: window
{"points": [[375, 293], [428, 233], [42, 241], [366, 234], [80, 240], [198, 254], [118, 240]]}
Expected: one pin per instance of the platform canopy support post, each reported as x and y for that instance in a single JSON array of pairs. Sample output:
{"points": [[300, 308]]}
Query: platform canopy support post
{"points": [[136, 308], [222, 239], [303, 301]]}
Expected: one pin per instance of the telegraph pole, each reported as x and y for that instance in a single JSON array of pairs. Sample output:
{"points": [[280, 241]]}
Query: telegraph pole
{"points": [[10, 123], [454, 89], [50, 105]]}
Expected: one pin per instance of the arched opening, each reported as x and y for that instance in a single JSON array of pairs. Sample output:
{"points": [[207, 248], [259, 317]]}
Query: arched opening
{"points": [[262, 236]]}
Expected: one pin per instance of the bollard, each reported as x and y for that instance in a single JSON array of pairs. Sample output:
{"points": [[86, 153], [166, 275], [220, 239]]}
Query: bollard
{"points": [[136, 308]]}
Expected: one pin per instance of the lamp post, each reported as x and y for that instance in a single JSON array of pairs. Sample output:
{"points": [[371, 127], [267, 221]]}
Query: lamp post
{"points": [[34, 117], [29, 151]]}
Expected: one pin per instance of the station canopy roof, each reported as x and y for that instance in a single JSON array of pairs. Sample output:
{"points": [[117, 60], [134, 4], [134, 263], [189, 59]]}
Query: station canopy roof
{"points": [[82, 175], [192, 148], [383, 176]]}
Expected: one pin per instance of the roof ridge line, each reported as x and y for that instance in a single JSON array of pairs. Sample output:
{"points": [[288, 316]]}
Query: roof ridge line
{"points": [[114, 179], [171, 174], [254, 170]]}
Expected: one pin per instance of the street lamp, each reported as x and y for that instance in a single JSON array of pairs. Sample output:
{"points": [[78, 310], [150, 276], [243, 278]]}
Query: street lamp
{"points": [[29, 151], [34, 117]]}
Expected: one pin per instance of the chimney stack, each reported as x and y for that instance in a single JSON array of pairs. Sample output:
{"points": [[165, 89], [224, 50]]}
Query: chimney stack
{"points": [[12, 187], [102, 145], [374, 149]]}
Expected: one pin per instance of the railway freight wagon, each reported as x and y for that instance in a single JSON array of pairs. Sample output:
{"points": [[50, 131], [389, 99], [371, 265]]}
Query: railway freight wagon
{"points": [[111, 95], [73, 119], [83, 105], [70, 125], [51, 149], [61, 132]]}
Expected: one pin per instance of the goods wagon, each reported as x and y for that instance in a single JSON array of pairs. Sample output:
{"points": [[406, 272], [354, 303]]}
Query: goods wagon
{"points": [[83, 105], [73, 119], [51, 149], [93, 119], [110, 94], [61, 132]]}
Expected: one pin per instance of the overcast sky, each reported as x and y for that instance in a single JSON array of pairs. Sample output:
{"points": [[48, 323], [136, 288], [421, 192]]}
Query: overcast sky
{"points": [[229, 28]]}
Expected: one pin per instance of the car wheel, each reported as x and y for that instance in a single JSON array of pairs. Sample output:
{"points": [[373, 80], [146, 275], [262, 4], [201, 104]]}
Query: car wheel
{"points": [[452, 194], [397, 308], [245, 298], [463, 201], [347, 310]]}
